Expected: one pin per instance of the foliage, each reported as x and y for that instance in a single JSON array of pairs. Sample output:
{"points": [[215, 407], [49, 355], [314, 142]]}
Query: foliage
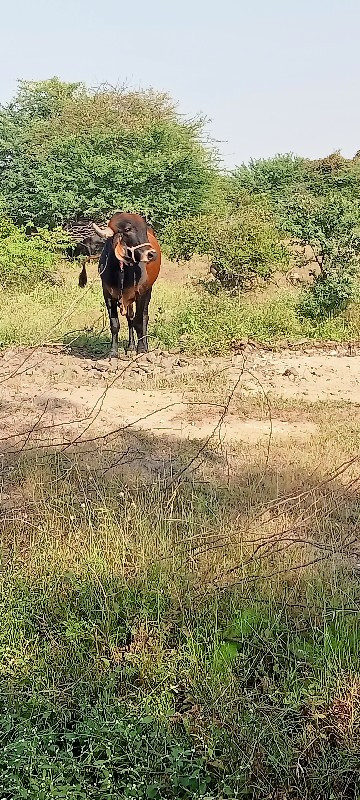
{"points": [[115, 684], [242, 245], [28, 260], [103, 753], [280, 179], [334, 173], [331, 225], [316, 203], [67, 152], [329, 294], [272, 176]]}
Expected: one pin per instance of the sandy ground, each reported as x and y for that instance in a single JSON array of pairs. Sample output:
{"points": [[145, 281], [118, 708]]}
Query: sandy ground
{"points": [[51, 392]]}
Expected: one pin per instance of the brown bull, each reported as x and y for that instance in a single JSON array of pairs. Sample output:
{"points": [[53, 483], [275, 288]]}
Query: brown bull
{"points": [[129, 266]]}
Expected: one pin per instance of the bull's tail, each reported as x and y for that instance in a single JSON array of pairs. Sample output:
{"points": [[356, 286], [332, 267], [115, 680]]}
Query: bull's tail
{"points": [[83, 277]]}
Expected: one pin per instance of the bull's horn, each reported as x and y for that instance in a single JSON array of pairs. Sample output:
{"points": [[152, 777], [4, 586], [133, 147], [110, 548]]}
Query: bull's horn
{"points": [[105, 233]]}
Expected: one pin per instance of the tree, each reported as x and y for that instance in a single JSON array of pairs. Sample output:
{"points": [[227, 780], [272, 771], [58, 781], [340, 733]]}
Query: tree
{"points": [[67, 152], [314, 203], [270, 176]]}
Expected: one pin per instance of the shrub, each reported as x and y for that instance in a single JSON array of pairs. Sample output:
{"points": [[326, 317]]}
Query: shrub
{"points": [[331, 225], [27, 260], [242, 246], [329, 295]]}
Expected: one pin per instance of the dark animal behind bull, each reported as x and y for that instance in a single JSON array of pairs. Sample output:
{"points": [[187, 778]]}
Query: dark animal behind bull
{"points": [[85, 241]]}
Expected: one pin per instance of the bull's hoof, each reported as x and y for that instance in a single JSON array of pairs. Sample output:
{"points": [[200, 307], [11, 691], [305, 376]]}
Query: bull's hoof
{"points": [[113, 354]]}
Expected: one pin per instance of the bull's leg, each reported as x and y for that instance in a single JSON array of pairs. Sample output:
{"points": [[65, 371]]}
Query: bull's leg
{"points": [[141, 321], [130, 316], [112, 309]]}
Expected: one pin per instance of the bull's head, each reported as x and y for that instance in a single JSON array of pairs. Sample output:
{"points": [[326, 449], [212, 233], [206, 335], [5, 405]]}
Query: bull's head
{"points": [[130, 242]]}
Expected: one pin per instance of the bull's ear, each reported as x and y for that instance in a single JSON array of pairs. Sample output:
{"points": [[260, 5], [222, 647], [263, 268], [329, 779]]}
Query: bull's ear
{"points": [[119, 250], [105, 233]]}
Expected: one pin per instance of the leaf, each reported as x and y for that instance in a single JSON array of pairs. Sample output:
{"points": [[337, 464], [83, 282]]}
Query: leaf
{"points": [[152, 791]]}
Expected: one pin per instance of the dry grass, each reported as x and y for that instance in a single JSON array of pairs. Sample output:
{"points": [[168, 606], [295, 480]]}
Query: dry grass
{"points": [[182, 314], [196, 601], [193, 635]]}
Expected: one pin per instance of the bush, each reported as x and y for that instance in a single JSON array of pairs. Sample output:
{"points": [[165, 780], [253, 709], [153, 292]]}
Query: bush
{"points": [[328, 296], [27, 260], [331, 225], [242, 245]]}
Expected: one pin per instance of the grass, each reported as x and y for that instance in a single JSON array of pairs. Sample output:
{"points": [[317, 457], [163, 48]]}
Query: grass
{"points": [[180, 316], [149, 648], [189, 641]]}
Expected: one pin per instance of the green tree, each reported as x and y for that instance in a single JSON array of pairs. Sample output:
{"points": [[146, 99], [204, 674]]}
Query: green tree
{"points": [[67, 152], [280, 179], [315, 203], [270, 176]]}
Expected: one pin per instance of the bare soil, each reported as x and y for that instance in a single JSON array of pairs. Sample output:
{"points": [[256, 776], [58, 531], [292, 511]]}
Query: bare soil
{"points": [[51, 392]]}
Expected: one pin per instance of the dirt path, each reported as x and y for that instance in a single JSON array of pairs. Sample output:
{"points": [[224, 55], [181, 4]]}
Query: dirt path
{"points": [[311, 376], [51, 392]]}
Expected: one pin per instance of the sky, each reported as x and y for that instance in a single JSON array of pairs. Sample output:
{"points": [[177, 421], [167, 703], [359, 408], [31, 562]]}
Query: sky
{"points": [[271, 76]]}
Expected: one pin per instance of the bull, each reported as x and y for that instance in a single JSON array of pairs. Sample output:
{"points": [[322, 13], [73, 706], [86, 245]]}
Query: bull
{"points": [[129, 266]]}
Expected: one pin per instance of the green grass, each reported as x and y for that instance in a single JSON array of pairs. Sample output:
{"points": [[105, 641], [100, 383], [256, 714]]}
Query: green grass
{"points": [[142, 653], [204, 323], [181, 644], [186, 317]]}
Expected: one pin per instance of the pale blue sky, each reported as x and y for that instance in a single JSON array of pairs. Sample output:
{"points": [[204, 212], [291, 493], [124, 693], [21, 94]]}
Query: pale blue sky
{"points": [[272, 75]]}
